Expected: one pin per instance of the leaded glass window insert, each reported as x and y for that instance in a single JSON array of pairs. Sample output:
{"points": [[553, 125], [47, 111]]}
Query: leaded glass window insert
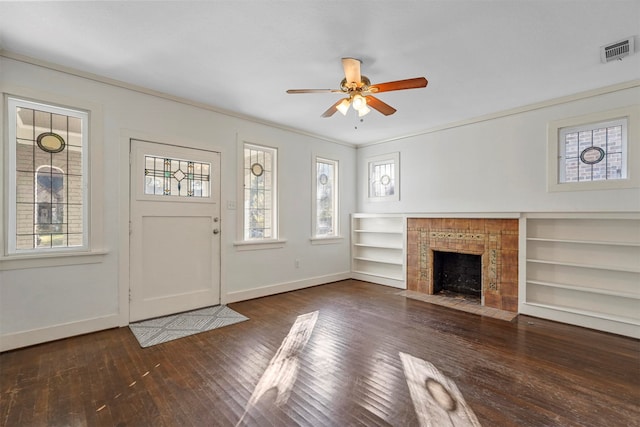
{"points": [[48, 209], [381, 179], [176, 177], [326, 203], [594, 152], [259, 192]]}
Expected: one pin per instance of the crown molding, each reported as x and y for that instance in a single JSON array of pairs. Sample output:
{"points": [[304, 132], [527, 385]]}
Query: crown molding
{"points": [[140, 89], [517, 110]]}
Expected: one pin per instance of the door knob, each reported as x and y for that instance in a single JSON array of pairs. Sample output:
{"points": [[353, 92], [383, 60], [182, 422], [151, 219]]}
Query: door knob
{"points": [[216, 231]]}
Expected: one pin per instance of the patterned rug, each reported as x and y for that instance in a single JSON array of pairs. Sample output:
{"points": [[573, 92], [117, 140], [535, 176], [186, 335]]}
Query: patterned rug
{"points": [[169, 328]]}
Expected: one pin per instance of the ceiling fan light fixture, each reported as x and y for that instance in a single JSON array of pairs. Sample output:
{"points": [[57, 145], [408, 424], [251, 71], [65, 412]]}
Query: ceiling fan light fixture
{"points": [[359, 91], [359, 102], [363, 111], [343, 107]]}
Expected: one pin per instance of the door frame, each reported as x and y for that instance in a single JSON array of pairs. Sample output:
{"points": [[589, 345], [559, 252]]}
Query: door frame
{"points": [[124, 186]]}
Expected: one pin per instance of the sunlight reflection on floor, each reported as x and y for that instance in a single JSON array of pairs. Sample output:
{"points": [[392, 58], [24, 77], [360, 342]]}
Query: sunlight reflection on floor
{"points": [[283, 368], [436, 399]]}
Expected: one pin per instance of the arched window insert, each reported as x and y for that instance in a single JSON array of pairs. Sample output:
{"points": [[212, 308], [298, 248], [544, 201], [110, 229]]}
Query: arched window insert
{"points": [[50, 224]]}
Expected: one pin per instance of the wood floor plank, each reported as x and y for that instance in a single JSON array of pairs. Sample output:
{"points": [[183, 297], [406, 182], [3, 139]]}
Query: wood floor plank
{"points": [[528, 372]]}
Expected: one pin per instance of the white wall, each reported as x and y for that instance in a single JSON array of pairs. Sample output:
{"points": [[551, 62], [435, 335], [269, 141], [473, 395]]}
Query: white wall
{"points": [[497, 165], [494, 165], [39, 304]]}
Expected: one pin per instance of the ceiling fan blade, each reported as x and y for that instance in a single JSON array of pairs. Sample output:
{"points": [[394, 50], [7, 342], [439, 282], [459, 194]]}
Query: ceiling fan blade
{"points": [[332, 109], [314, 91], [399, 85], [382, 107], [351, 68]]}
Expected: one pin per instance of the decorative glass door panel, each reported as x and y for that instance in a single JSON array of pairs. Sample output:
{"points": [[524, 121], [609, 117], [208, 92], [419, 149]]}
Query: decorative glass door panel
{"points": [[175, 224]]}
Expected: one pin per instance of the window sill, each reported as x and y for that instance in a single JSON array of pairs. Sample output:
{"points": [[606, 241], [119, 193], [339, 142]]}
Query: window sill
{"points": [[326, 240], [255, 245], [18, 262], [615, 184]]}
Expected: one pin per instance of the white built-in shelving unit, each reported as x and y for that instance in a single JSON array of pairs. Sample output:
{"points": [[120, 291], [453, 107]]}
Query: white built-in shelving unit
{"points": [[378, 248], [582, 269]]}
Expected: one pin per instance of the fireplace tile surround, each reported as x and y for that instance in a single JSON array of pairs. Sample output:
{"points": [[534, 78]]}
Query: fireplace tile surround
{"points": [[495, 240]]}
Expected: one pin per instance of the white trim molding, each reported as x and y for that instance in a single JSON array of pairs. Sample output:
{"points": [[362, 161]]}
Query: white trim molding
{"points": [[278, 288], [20, 339]]}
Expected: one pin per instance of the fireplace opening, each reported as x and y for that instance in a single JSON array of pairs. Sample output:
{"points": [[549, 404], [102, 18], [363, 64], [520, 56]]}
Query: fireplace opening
{"points": [[457, 274]]}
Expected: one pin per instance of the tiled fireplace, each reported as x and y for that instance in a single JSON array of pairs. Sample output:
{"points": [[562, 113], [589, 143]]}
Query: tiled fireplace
{"points": [[495, 240]]}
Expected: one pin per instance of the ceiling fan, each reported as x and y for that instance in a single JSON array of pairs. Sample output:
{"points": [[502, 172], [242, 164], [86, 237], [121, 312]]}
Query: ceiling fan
{"points": [[359, 90]]}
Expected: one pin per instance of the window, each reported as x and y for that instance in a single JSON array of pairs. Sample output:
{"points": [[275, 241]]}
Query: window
{"points": [[325, 197], [48, 178], [383, 177], [260, 193], [177, 178], [591, 152]]}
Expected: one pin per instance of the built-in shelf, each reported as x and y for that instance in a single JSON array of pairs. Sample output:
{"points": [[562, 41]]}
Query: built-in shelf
{"points": [[603, 316], [378, 275], [584, 242], [378, 248], [379, 260], [586, 289], [377, 232], [582, 268], [630, 269]]}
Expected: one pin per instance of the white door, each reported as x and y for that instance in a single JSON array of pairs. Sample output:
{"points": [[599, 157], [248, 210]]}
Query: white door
{"points": [[174, 231]]}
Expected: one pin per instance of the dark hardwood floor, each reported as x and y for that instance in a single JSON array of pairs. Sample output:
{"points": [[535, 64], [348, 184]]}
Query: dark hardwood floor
{"points": [[529, 372]]}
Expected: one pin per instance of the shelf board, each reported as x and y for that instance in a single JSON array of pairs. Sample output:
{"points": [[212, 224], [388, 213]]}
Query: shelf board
{"points": [[588, 313], [582, 215], [367, 245], [585, 289], [627, 269], [382, 261], [378, 231], [391, 216], [384, 276], [584, 242]]}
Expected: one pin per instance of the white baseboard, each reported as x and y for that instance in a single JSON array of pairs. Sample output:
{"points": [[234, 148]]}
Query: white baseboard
{"points": [[591, 322], [50, 333], [264, 291]]}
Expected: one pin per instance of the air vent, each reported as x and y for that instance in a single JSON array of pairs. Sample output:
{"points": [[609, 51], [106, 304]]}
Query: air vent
{"points": [[617, 50]]}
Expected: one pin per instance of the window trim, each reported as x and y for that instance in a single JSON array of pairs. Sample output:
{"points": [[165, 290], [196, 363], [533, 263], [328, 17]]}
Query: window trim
{"points": [[13, 102], [92, 251], [242, 244], [337, 234], [554, 128], [391, 158]]}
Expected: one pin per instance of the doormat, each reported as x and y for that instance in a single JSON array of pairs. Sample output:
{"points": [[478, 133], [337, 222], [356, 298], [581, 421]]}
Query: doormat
{"points": [[168, 328]]}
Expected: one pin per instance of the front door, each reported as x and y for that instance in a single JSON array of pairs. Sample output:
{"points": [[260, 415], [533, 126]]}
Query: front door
{"points": [[174, 226]]}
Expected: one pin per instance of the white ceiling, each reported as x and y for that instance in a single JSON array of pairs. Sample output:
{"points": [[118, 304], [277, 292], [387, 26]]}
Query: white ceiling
{"points": [[479, 56]]}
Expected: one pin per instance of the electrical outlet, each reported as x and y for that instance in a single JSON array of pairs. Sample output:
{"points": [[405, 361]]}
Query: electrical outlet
{"points": [[297, 262], [231, 204]]}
